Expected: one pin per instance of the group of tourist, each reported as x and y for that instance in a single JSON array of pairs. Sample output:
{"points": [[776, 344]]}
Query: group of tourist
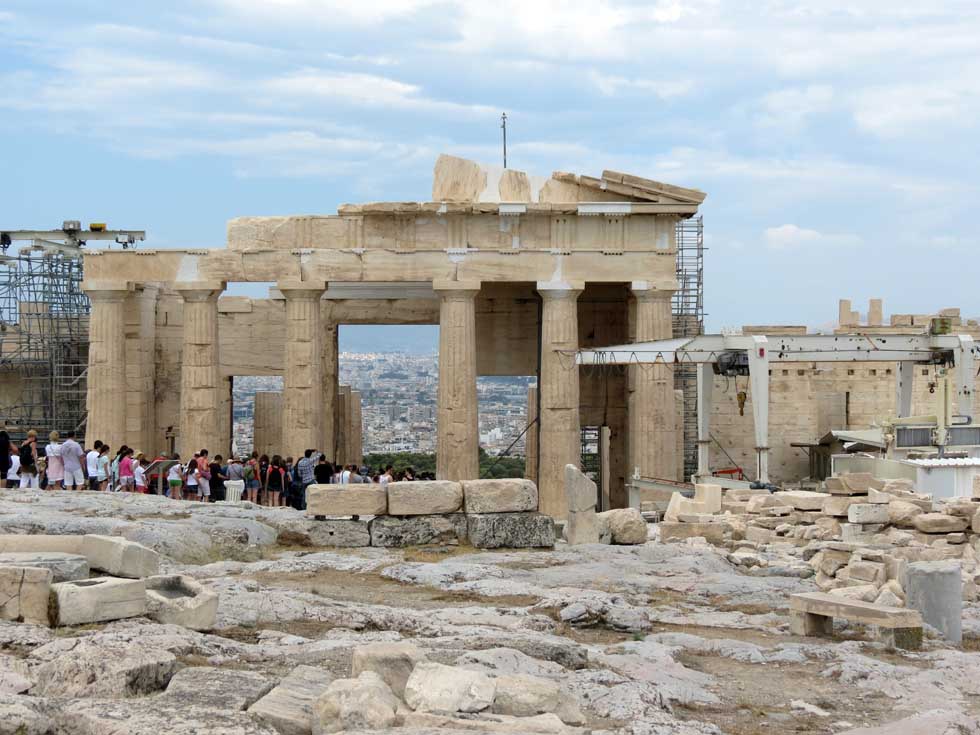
{"points": [[65, 465]]}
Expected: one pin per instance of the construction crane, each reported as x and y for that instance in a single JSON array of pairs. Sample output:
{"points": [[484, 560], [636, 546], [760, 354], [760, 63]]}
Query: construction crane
{"points": [[70, 238]]}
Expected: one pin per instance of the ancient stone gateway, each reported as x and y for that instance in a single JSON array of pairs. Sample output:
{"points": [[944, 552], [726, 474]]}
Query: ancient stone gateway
{"points": [[515, 271]]}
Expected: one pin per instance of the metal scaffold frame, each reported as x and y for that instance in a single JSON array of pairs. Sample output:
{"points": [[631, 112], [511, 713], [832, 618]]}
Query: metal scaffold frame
{"points": [[43, 341], [688, 321]]}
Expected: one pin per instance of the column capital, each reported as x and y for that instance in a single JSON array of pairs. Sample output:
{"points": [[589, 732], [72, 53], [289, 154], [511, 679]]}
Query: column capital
{"points": [[644, 290], [300, 290], [107, 291], [560, 289], [199, 291], [446, 287]]}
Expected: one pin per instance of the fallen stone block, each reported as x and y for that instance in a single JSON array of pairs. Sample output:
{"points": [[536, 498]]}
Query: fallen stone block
{"points": [[961, 507], [939, 523], [759, 535], [16, 542], [901, 513], [500, 496], [420, 498], [346, 500], [24, 593], [801, 499], [289, 706], [743, 494], [878, 496], [399, 532], [510, 530], [525, 696], [64, 567], [935, 589], [393, 662], [96, 600], [626, 526], [119, 557], [857, 482], [707, 499], [713, 533], [837, 505], [867, 571], [329, 532], [200, 685], [864, 592], [434, 687], [865, 513], [956, 538], [362, 703], [180, 600], [757, 503], [859, 533], [581, 494]]}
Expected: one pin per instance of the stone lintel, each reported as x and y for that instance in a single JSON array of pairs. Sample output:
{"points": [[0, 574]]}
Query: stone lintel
{"points": [[107, 290], [558, 288], [443, 285], [302, 289], [654, 289]]}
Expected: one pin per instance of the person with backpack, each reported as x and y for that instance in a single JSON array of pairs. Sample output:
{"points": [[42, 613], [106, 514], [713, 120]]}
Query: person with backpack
{"points": [[251, 475], [28, 462], [276, 481]]}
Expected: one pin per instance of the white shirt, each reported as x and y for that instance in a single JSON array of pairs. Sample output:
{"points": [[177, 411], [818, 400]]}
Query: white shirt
{"points": [[385, 479], [71, 453], [14, 467], [140, 474], [92, 461], [174, 472], [345, 477]]}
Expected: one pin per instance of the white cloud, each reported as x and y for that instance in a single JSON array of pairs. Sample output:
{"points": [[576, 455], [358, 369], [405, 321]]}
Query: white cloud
{"points": [[791, 237], [324, 12], [611, 85], [791, 107], [894, 111]]}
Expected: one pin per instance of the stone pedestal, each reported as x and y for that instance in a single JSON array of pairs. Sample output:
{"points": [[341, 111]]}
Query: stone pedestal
{"points": [[267, 433], [106, 399], [302, 406], [652, 412], [199, 399], [559, 440], [457, 441], [935, 589]]}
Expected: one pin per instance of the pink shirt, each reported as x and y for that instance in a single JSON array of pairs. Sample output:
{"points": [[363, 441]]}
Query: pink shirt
{"points": [[126, 467]]}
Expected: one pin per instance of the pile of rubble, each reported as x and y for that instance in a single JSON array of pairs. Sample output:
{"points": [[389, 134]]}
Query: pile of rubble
{"points": [[860, 537]]}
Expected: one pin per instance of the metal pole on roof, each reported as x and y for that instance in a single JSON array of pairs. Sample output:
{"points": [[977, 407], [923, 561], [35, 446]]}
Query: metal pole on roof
{"points": [[503, 126]]}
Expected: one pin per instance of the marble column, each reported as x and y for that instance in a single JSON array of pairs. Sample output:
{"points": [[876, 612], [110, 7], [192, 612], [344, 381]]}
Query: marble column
{"points": [[559, 442], [331, 385], [267, 431], [106, 378], [651, 406], [531, 437], [200, 401], [458, 438], [344, 455], [302, 402], [141, 370], [356, 430]]}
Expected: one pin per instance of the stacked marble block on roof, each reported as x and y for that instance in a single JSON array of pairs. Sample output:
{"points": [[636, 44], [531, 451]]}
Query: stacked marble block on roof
{"points": [[856, 537], [44, 579], [485, 513]]}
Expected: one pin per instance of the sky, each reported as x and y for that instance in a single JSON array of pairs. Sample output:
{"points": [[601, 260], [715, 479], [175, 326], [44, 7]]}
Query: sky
{"points": [[837, 141]]}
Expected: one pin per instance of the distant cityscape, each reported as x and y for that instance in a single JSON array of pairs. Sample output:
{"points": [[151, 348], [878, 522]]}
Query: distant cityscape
{"points": [[398, 395]]}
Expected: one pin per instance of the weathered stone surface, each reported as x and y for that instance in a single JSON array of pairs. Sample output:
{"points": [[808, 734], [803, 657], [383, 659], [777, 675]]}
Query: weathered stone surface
{"points": [[901, 513], [365, 702], [96, 600], [120, 558], [580, 491], [180, 600], [15, 676], [346, 500], [800, 499], [330, 532], [867, 513], [393, 662], [867, 571], [24, 593], [757, 503], [858, 482], [935, 589], [837, 505], [524, 696], [158, 716], [510, 530], [289, 706], [235, 689], [434, 687], [20, 715], [64, 567], [626, 526], [759, 535], [420, 498], [939, 523], [500, 496], [396, 532]]}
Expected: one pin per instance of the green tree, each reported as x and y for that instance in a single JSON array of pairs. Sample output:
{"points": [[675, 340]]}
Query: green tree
{"points": [[425, 463]]}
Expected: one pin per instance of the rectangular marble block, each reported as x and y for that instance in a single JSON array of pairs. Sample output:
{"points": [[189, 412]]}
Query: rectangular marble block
{"points": [[424, 498], [712, 532], [864, 513], [500, 496], [97, 600], [119, 557], [346, 500], [24, 593]]}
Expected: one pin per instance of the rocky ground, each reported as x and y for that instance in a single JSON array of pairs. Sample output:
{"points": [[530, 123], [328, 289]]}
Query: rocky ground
{"points": [[657, 638]]}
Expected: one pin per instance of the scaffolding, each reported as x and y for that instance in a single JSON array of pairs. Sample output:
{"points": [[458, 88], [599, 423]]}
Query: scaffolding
{"points": [[43, 341], [688, 321]]}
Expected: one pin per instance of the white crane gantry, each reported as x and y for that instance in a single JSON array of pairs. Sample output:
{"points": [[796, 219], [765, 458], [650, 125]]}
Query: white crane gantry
{"points": [[752, 355]]}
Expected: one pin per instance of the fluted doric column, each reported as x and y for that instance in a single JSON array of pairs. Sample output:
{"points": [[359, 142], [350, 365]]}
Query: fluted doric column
{"points": [[531, 437], [458, 430], [199, 398], [106, 378], [267, 426], [330, 374], [652, 410], [559, 438], [141, 369], [302, 405]]}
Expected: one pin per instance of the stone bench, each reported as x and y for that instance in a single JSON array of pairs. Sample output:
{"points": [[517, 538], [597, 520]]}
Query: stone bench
{"points": [[813, 613]]}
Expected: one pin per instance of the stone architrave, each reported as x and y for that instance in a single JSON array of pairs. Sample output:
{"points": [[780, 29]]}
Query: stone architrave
{"points": [[106, 381], [652, 415], [302, 408], [199, 400], [457, 439], [581, 493], [559, 439]]}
